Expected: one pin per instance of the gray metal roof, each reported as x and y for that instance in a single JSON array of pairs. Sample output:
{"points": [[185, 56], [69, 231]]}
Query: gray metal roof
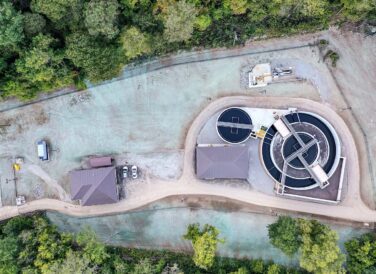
{"points": [[94, 186], [222, 162]]}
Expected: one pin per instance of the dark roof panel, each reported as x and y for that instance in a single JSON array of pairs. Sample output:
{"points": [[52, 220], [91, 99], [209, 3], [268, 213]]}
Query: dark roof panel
{"points": [[223, 162], [94, 186]]}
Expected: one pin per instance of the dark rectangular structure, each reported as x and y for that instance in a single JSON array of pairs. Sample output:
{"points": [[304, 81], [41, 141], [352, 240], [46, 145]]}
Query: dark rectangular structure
{"points": [[94, 186], [100, 161], [222, 162]]}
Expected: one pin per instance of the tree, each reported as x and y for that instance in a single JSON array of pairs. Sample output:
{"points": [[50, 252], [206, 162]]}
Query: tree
{"points": [[8, 249], [319, 250], [361, 254], [56, 10], [93, 250], [357, 10], [203, 22], [204, 243], [274, 269], [135, 43], [38, 68], [10, 268], [15, 225], [101, 17], [143, 267], [284, 234], [51, 246], [299, 8], [33, 23], [73, 263], [119, 265], [3, 64], [236, 6], [42, 67], [241, 270], [179, 21], [174, 269], [11, 32], [258, 266], [98, 61]]}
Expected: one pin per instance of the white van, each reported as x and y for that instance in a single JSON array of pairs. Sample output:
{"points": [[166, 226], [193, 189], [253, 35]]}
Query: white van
{"points": [[42, 150]]}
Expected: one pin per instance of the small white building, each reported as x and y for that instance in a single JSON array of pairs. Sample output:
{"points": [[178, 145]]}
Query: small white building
{"points": [[260, 76]]}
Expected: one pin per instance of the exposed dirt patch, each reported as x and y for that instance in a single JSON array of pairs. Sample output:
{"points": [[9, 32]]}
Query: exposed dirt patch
{"points": [[80, 98], [227, 206], [14, 124], [41, 118]]}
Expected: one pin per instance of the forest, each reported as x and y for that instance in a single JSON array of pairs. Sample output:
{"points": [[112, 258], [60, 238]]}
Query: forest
{"points": [[51, 45]]}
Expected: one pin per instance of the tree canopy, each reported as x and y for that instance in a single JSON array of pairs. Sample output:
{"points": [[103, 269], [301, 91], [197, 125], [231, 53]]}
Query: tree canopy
{"points": [[204, 243], [91, 40], [101, 18], [73, 263], [236, 6], [356, 10], [11, 28], [135, 43], [284, 234], [55, 10], [361, 254], [30, 244], [179, 21], [317, 244], [319, 250], [97, 61], [33, 23], [93, 250]]}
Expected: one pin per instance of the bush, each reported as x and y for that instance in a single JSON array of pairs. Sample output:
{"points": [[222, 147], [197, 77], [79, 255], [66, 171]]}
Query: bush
{"points": [[333, 56]]}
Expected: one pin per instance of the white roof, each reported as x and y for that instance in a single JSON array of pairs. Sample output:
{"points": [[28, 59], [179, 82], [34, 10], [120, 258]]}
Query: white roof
{"points": [[320, 173], [260, 75], [281, 128], [41, 149]]}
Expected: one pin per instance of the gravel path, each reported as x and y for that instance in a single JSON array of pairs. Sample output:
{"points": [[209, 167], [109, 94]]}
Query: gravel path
{"points": [[38, 171]]}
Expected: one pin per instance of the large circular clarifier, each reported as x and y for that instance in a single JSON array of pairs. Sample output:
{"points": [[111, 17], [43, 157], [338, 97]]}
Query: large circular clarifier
{"points": [[280, 155]]}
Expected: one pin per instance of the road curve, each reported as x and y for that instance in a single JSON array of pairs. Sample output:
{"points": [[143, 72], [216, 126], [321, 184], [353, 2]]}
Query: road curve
{"points": [[352, 208]]}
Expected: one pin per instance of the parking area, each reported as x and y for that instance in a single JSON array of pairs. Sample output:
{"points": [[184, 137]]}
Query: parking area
{"points": [[126, 174]]}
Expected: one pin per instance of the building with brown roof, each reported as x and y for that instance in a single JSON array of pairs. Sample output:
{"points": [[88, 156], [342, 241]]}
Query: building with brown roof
{"points": [[94, 186], [222, 162]]}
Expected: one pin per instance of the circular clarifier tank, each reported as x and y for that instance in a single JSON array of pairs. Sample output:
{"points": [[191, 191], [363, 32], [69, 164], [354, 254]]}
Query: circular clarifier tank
{"points": [[315, 140], [234, 125]]}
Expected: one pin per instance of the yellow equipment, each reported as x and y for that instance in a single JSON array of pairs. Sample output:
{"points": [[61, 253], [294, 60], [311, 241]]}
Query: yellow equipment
{"points": [[261, 133], [16, 167]]}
